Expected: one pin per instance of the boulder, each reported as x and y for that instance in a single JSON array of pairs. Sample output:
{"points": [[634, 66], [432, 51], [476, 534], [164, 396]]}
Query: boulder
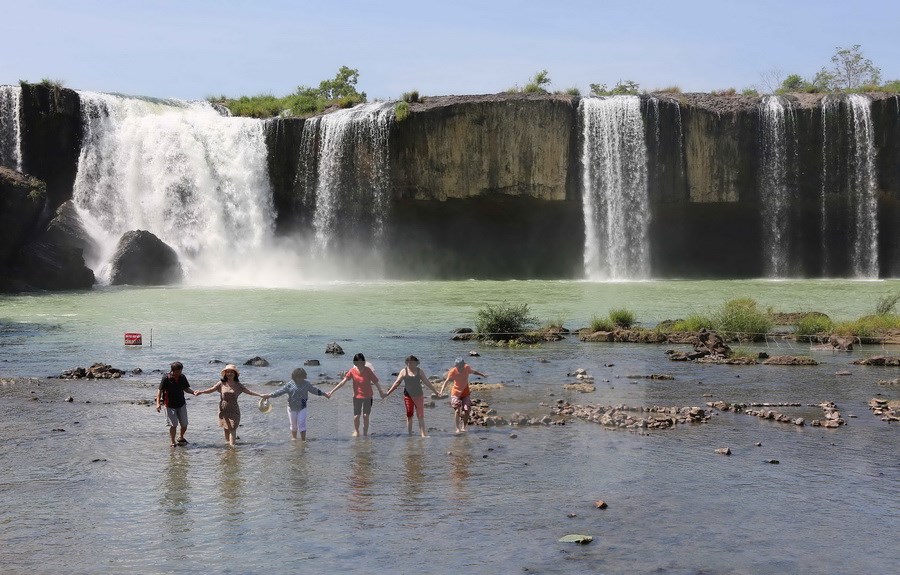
{"points": [[334, 348], [257, 362], [141, 258], [55, 259]]}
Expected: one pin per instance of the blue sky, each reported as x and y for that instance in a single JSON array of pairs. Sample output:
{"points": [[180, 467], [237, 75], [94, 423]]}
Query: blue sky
{"points": [[194, 49]]}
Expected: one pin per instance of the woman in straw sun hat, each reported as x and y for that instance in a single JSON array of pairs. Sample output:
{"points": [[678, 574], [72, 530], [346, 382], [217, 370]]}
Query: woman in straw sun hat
{"points": [[229, 388]]}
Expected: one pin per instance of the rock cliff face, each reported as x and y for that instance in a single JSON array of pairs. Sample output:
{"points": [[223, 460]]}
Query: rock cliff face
{"points": [[51, 139], [491, 186]]}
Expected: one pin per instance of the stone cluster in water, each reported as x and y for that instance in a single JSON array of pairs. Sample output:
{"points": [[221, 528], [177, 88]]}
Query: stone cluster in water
{"points": [[628, 417], [96, 371], [889, 410], [832, 417], [879, 360]]}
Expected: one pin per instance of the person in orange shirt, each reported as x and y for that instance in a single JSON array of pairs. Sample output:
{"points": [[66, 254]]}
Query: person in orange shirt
{"points": [[363, 379], [459, 394]]}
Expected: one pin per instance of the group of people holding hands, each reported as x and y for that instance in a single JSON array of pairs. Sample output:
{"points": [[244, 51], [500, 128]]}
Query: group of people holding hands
{"points": [[174, 385]]}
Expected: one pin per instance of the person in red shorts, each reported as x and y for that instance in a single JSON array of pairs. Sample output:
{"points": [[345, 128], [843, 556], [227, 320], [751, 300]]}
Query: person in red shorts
{"points": [[459, 394], [413, 378]]}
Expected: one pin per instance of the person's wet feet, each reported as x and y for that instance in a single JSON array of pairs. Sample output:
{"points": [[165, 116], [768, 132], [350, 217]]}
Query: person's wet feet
{"points": [[182, 441], [173, 445]]}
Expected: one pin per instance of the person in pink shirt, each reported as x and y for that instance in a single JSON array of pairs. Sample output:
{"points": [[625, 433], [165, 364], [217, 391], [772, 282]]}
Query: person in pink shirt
{"points": [[363, 379]]}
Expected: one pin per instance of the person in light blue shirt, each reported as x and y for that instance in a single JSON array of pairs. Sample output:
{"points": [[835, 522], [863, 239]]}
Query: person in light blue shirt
{"points": [[297, 390]]}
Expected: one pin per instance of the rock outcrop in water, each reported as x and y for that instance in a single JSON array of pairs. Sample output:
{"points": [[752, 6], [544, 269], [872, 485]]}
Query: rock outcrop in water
{"points": [[141, 258]]}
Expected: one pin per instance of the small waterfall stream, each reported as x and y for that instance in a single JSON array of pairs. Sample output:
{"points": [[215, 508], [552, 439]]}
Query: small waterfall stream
{"points": [[10, 127], [180, 170], [861, 187], [344, 178], [614, 195], [778, 148]]}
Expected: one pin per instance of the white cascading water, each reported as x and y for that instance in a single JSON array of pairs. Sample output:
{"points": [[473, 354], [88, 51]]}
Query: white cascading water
{"points": [[10, 127], [777, 132], [861, 187], [615, 195], [180, 170], [830, 107], [346, 178]]}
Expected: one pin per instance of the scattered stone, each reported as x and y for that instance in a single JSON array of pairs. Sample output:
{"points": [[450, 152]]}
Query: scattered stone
{"points": [[571, 515], [577, 372], [137, 371], [580, 387], [887, 410], [600, 504], [96, 371], [659, 376], [758, 444], [70, 399], [633, 418], [772, 461], [257, 362], [474, 353], [58, 430], [98, 460], [215, 361], [334, 349], [842, 373], [513, 435], [723, 451], [895, 381], [543, 360], [312, 362]]}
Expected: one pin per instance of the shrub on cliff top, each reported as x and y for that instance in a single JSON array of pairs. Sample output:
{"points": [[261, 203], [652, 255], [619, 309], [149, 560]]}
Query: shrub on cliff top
{"points": [[401, 111], [410, 97], [504, 321]]}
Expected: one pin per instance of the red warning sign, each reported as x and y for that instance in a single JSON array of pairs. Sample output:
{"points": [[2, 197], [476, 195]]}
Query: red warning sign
{"points": [[133, 339]]}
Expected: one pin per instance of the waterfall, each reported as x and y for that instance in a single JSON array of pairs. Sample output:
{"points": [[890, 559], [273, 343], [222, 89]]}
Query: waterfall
{"points": [[861, 188], [344, 177], [180, 170], [830, 109], [10, 127], [778, 150], [615, 197]]}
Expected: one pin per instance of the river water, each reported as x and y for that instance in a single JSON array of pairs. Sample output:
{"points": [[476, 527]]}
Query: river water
{"points": [[91, 486]]}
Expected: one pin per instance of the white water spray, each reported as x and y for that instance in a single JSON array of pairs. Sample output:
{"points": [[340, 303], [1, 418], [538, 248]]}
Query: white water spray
{"points": [[10, 127], [861, 187], [183, 172], [777, 132], [615, 196], [346, 178]]}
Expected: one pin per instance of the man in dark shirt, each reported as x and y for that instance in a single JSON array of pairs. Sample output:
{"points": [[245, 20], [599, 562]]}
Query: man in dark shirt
{"points": [[171, 393]]}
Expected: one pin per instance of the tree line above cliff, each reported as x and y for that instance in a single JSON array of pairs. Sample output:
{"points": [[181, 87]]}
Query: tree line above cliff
{"points": [[849, 71]]}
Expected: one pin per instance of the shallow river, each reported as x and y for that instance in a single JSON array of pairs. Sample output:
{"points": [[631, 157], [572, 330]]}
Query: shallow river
{"points": [[92, 486]]}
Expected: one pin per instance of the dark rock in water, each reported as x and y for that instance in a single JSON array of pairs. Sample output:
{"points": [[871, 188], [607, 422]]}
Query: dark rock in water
{"points": [[474, 353], [463, 330], [141, 258], [215, 361], [772, 461], [600, 504], [762, 355], [257, 362], [334, 348], [839, 343], [723, 451], [879, 360], [312, 362], [137, 371], [70, 399], [790, 360]]}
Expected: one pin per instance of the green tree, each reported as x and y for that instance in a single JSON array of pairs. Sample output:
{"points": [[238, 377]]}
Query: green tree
{"points": [[793, 83], [342, 86], [850, 70], [538, 84]]}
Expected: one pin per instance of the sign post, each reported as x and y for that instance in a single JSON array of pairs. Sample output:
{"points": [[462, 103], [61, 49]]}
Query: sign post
{"points": [[133, 339]]}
